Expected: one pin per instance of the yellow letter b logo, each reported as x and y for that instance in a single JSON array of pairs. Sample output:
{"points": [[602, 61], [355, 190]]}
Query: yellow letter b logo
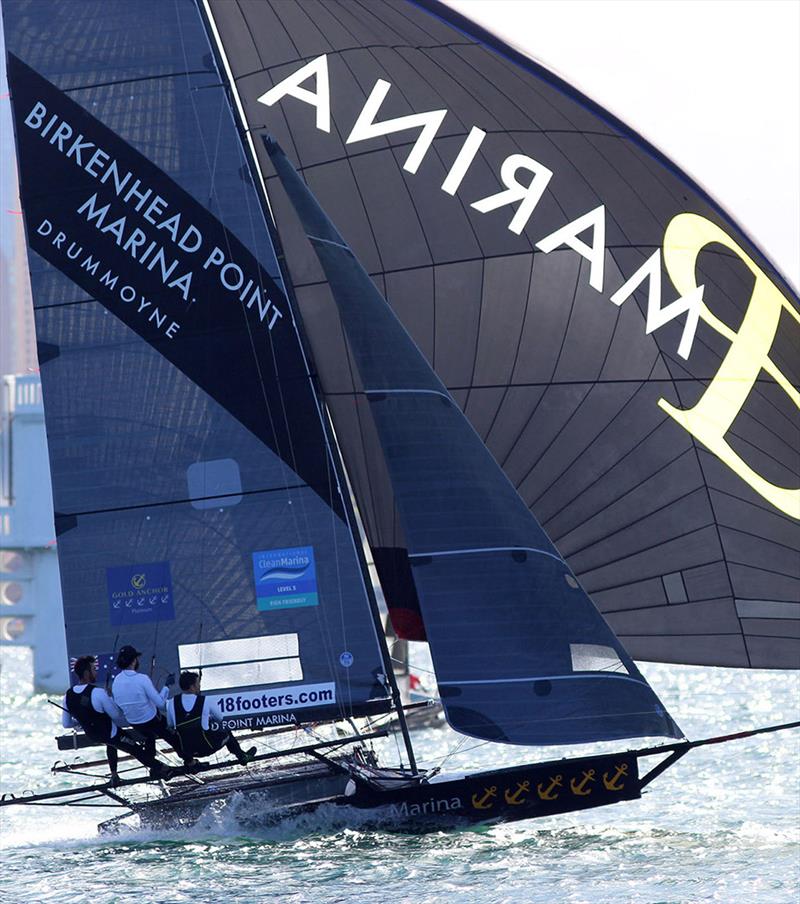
{"points": [[711, 418]]}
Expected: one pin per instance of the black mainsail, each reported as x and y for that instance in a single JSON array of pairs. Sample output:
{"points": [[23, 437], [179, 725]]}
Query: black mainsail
{"points": [[199, 511]]}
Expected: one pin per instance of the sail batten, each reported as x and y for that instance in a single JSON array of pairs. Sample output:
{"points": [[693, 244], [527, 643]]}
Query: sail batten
{"points": [[462, 552], [459, 681]]}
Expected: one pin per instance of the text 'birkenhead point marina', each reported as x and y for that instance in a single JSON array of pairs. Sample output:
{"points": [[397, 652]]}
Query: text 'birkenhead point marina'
{"points": [[156, 211]]}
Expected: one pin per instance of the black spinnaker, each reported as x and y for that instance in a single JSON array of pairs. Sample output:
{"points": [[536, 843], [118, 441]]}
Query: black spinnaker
{"points": [[563, 314]]}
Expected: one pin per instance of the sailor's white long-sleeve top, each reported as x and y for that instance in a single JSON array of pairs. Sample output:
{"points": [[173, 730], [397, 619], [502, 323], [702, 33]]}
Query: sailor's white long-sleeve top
{"points": [[136, 697]]}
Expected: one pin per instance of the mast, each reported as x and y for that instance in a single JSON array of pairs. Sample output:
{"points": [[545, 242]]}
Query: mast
{"points": [[333, 450]]}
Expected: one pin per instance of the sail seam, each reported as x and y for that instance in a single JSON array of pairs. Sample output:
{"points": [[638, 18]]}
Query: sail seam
{"points": [[636, 521], [522, 333], [312, 56], [619, 461], [553, 371], [610, 382], [446, 262], [661, 634], [398, 144], [648, 549]]}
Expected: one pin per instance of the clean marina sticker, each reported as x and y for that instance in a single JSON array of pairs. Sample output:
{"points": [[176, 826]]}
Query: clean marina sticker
{"points": [[285, 578]]}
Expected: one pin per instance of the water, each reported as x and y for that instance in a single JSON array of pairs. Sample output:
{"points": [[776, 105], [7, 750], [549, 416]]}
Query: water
{"points": [[722, 825]]}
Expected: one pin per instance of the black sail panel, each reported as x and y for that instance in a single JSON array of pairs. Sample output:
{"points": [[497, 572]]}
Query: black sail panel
{"points": [[198, 510], [521, 654], [676, 505]]}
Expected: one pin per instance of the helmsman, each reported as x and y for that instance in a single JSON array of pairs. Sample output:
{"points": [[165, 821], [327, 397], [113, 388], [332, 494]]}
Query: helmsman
{"points": [[189, 715]]}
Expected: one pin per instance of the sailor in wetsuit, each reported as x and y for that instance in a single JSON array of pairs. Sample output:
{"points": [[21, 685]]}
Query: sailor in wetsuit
{"points": [[138, 699], [189, 713], [98, 715]]}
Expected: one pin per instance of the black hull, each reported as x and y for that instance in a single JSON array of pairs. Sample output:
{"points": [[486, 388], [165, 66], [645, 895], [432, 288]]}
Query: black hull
{"points": [[504, 795], [387, 800]]}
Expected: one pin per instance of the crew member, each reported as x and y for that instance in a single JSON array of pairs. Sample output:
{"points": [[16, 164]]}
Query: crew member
{"points": [[189, 714], [98, 715], [140, 701]]}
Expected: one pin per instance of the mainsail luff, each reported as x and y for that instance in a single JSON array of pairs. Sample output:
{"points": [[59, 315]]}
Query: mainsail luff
{"points": [[343, 487], [521, 654]]}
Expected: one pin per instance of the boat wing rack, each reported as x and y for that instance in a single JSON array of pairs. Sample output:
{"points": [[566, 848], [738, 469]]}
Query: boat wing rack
{"points": [[80, 796]]}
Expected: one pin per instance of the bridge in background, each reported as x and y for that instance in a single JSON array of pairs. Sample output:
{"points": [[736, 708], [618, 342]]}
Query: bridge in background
{"points": [[30, 587]]}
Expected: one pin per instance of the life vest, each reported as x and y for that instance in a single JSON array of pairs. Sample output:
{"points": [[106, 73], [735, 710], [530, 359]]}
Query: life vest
{"points": [[79, 705], [194, 741]]}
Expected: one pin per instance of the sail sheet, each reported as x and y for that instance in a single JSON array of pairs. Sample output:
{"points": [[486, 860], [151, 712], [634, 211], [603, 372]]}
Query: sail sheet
{"points": [[521, 654], [198, 510], [674, 501]]}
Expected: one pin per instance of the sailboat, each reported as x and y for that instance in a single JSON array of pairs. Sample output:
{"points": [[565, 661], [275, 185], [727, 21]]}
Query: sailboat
{"points": [[234, 405]]}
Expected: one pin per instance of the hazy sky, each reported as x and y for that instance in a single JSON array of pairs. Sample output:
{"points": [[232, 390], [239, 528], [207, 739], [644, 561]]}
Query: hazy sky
{"points": [[713, 83]]}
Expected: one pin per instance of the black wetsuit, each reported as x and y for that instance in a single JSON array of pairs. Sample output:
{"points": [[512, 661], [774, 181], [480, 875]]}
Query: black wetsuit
{"points": [[152, 729], [196, 740], [99, 726]]}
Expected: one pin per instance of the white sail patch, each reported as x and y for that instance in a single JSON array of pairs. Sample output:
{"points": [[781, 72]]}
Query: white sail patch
{"points": [[244, 661], [592, 657], [241, 649], [524, 182]]}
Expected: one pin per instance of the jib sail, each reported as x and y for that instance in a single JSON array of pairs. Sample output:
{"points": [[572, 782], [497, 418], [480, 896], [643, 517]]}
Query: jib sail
{"points": [[521, 654]]}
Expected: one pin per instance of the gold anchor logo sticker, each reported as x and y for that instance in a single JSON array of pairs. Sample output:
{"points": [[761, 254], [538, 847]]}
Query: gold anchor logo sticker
{"points": [[138, 581], [483, 803], [579, 786], [548, 792], [613, 784], [514, 799]]}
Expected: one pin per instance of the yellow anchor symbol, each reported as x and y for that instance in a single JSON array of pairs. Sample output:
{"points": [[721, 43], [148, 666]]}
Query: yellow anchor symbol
{"points": [[514, 798], [482, 803], [611, 783], [577, 787], [547, 793]]}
